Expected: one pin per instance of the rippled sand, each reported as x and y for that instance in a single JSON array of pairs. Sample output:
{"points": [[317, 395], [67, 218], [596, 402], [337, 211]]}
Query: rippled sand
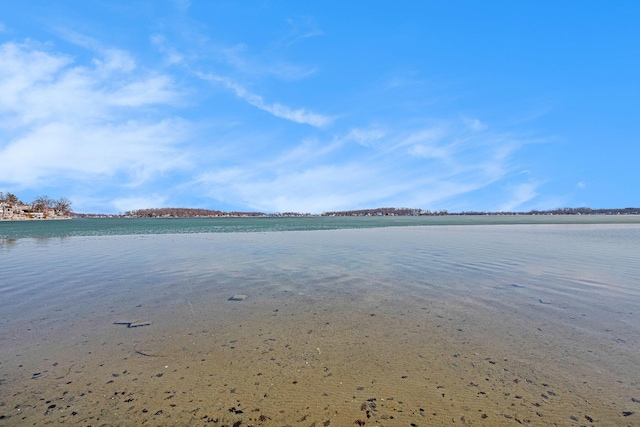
{"points": [[461, 325]]}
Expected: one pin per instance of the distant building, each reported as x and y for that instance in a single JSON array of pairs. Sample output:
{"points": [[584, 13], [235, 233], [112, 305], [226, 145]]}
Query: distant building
{"points": [[6, 210]]}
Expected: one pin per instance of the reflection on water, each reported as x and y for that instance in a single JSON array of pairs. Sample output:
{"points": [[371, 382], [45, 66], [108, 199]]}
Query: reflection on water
{"points": [[484, 325]]}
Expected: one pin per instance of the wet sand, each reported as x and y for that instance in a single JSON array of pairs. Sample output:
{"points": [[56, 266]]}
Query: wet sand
{"points": [[485, 326]]}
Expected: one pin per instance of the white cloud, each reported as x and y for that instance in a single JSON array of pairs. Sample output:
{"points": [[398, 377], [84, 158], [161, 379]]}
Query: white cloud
{"points": [[366, 137], [581, 185], [155, 89], [474, 124], [301, 28], [3, 28], [39, 85], [60, 149], [265, 64], [108, 59], [308, 152], [520, 194], [429, 135], [115, 60], [172, 56], [328, 187], [314, 176], [61, 119], [314, 189], [429, 151], [300, 115]]}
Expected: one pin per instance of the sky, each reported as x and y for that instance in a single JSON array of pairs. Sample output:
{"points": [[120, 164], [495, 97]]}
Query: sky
{"points": [[299, 106]]}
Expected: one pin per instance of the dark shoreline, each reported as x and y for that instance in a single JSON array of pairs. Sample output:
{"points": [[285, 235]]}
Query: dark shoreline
{"points": [[207, 213]]}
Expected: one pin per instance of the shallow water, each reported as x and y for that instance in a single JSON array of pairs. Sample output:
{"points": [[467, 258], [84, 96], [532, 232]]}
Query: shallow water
{"points": [[468, 325], [12, 230]]}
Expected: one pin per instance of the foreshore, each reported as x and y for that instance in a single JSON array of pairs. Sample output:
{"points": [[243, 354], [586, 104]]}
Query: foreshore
{"points": [[481, 325]]}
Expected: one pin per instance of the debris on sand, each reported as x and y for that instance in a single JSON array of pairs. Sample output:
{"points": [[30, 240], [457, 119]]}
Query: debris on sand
{"points": [[133, 324]]}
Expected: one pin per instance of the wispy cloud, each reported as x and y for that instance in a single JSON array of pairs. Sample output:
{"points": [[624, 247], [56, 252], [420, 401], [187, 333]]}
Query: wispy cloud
{"points": [[429, 151], [395, 170], [366, 136], [300, 115], [256, 65], [312, 189], [59, 149], [474, 124], [172, 55], [108, 59], [520, 194], [425, 135], [60, 120], [300, 28]]}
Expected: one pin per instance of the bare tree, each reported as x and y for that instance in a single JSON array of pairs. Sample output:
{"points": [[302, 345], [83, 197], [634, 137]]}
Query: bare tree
{"points": [[12, 199], [62, 205], [41, 203]]}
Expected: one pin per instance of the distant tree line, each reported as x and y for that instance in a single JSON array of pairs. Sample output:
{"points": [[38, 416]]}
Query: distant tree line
{"points": [[194, 213], [184, 213], [422, 212], [563, 211], [39, 204], [386, 212]]}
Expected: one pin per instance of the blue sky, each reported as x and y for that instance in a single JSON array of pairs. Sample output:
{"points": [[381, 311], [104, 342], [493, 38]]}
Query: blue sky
{"points": [[281, 106]]}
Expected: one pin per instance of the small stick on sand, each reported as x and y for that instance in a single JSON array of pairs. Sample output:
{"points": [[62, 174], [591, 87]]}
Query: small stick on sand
{"points": [[136, 324], [133, 324], [142, 353]]}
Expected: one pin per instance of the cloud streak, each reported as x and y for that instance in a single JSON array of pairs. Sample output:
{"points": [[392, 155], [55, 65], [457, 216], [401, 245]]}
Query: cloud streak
{"points": [[520, 194], [300, 115]]}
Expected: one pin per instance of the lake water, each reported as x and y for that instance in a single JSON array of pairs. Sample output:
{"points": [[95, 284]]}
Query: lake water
{"points": [[378, 322]]}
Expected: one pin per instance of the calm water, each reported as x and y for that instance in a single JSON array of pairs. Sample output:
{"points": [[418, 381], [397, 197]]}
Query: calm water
{"points": [[390, 321], [129, 226]]}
